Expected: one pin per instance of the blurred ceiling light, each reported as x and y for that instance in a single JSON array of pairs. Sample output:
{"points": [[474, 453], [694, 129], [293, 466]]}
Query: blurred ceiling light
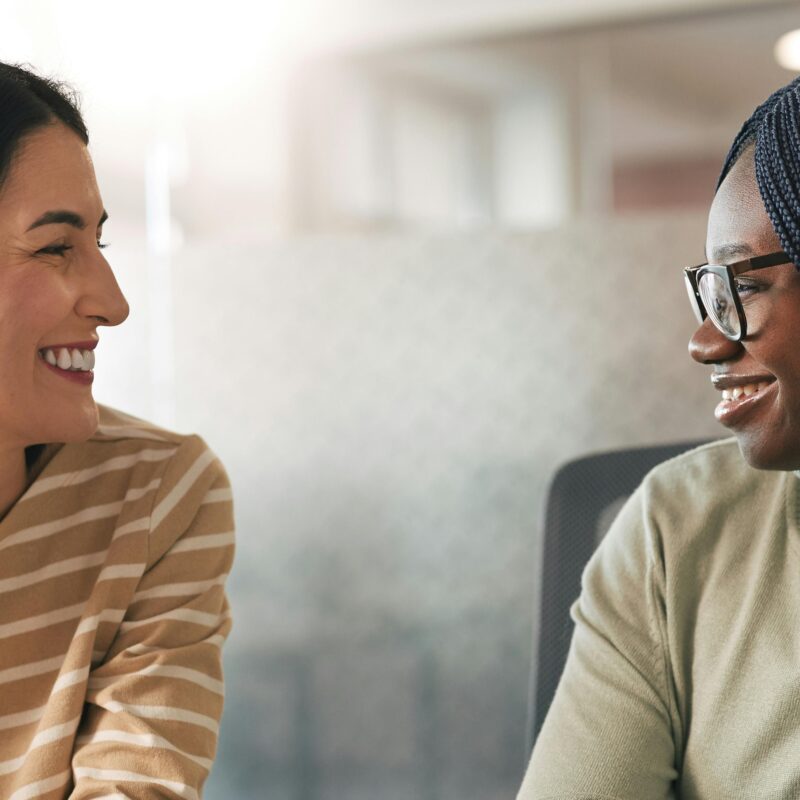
{"points": [[787, 51], [178, 54]]}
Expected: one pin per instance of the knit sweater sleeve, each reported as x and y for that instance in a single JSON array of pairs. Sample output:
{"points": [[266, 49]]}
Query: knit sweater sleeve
{"points": [[151, 718], [608, 733]]}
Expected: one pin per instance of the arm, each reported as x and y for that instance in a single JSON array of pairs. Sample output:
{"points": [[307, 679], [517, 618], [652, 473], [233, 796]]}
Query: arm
{"points": [[151, 719], [608, 733]]}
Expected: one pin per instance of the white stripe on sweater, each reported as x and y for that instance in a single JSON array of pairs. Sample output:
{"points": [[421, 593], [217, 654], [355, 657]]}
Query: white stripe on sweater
{"points": [[106, 615], [77, 564], [166, 671], [47, 736], [22, 718], [178, 614], [90, 514], [41, 620], [217, 640], [116, 571], [110, 465], [129, 432], [65, 567], [168, 713], [179, 589], [115, 796], [31, 669], [181, 789], [70, 679], [140, 740], [182, 487], [225, 494], [207, 542], [38, 788]]}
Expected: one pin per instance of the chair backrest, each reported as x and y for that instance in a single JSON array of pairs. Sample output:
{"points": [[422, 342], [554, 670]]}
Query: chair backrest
{"points": [[583, 499]]}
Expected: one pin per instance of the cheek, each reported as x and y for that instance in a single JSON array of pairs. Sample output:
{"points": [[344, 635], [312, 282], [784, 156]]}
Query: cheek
{"points": [[30, 307]]}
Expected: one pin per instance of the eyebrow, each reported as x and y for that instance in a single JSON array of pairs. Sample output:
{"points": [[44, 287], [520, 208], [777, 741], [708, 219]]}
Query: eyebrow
{"points": [[62, 217], [729, 252]]}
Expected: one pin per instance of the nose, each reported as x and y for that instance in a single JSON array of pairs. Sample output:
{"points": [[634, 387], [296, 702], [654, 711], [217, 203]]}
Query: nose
{"points": [[709, 346], [101, 298]]}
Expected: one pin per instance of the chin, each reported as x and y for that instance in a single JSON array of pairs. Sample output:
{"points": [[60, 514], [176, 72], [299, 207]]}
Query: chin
{"points": [[76, 426], [761, 454]]}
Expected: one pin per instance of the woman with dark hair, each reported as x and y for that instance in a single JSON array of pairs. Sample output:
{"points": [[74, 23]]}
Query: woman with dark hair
{"points": [[116, 535], [683, 672]]}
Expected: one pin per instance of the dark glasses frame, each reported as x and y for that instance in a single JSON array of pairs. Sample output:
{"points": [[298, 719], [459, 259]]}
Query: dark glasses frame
{"points": [[727, 273]]}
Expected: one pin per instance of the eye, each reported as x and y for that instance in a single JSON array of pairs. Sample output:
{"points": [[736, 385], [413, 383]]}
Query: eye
{"points": [[746, 288], [54, 250]]}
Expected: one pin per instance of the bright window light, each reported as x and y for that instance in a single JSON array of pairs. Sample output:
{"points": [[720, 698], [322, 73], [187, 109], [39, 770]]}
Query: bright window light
{"points": [[787, 51]]}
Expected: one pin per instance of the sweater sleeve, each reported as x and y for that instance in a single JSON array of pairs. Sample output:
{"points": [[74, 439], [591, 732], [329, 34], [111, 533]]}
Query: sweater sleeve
{"points": [[151, 718], [608, 733]]}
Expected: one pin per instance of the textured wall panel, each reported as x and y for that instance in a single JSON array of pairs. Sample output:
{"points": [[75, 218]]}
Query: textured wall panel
{"points": [[390, 411]]}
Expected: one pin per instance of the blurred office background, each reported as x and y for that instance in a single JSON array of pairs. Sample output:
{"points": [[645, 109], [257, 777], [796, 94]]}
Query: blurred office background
{"points": [[396, 261]]}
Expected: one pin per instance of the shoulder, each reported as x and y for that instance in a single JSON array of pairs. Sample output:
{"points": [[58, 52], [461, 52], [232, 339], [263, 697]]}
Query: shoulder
{"points": [[191, 490], [707, 460], [116, 425], [182, 455], [711, 473], [125, 445], [118, 429], [134, 459], [689, 499], [694, 503]]}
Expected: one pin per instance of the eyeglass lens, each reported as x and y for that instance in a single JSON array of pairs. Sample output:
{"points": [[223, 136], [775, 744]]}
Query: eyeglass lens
{"points": [[719, 303]]}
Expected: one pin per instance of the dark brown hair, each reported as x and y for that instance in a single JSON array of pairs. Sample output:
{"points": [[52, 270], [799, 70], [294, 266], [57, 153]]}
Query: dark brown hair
{"points": [[29, 101]]}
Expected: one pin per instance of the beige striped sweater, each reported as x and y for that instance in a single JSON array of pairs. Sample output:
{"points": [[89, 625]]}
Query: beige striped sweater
{"points": [[112, 615]]}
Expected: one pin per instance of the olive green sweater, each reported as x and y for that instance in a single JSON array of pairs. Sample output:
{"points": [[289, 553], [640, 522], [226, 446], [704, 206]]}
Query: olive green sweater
{"points": [[683, 676]]}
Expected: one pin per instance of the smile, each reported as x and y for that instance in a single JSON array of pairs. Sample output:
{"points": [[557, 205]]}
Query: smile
{"points": [[82, 375], [738, 401], [66, 359], [747, 390]]}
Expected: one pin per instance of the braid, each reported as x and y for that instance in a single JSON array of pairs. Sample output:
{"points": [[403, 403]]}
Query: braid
{"points": [[775, 127], [747, 134]]}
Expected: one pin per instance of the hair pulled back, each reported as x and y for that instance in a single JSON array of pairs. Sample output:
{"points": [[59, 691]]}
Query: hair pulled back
{"points": [[775, 128], [29, 101]]}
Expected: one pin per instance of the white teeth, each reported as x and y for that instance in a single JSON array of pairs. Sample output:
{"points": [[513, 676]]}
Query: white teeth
{"points": [[737, 391], [77, 360]]}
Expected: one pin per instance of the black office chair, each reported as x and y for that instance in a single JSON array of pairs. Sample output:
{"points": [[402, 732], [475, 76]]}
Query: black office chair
{"points": [[583, 499]]}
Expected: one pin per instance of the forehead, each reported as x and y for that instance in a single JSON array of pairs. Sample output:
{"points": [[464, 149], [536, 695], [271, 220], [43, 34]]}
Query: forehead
{"points": [[51, 169], [737, 215]]}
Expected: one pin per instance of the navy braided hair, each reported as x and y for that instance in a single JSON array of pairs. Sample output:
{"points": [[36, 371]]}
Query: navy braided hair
{"points": [[775, 128]]}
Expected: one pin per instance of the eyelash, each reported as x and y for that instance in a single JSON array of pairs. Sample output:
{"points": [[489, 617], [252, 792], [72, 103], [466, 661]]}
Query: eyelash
{"points": [[61, 249], [746, 287]]}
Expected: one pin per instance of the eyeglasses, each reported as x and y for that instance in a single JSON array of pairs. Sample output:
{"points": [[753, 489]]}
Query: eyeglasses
{"points": [[712, 292]]}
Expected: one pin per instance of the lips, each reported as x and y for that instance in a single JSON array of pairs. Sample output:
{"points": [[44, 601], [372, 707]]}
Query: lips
{"points": [[89, 344], [731, 412], [730, 381]]}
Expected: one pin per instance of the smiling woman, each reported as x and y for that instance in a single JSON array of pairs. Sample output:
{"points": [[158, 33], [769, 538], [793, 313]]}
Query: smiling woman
{"points": [[681, 679], [116, 535]]}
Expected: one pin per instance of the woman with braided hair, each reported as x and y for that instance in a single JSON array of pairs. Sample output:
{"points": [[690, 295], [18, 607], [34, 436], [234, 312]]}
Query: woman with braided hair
{"points": [[683, 676]]}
